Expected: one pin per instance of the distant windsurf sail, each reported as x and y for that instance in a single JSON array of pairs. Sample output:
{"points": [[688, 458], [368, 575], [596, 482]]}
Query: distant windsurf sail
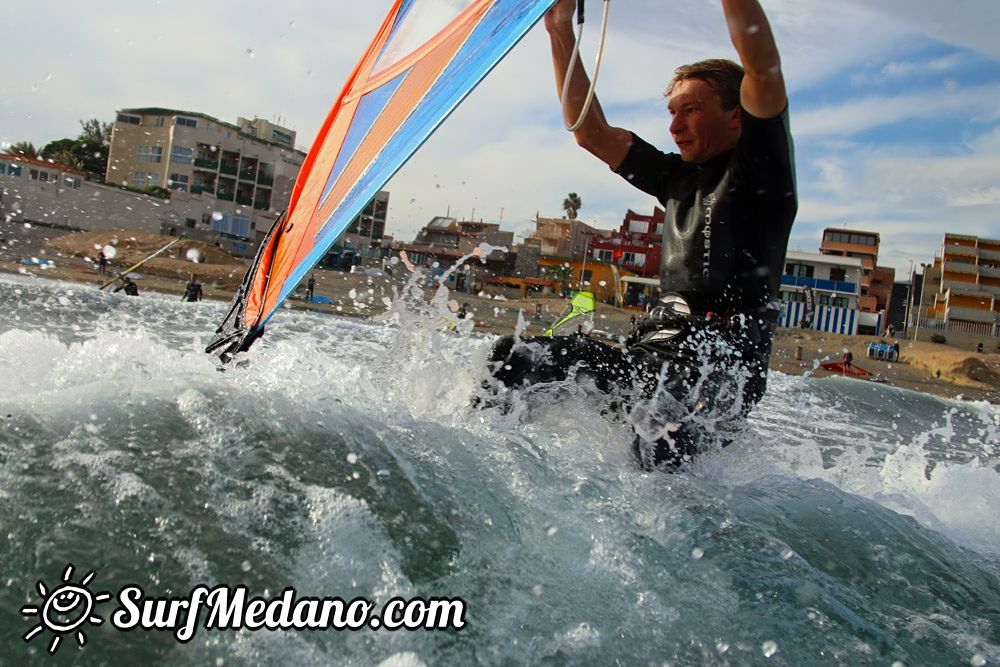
{"points": [[581, 304], [425, 59]]}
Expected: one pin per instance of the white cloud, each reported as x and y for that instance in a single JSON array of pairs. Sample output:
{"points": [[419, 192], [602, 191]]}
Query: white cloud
{"points": [[504, 148]]}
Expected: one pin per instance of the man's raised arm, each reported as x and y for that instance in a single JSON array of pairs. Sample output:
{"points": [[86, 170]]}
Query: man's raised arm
{"points": [[763, 90], [610, 144]]}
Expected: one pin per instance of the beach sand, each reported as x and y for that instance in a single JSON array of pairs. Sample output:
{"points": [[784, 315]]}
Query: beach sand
{"points": [[926, 367]]}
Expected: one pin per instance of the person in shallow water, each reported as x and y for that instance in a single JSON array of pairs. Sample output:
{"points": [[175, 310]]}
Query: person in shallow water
{"points": [[192, 291], [698, 360], [129, 286]]}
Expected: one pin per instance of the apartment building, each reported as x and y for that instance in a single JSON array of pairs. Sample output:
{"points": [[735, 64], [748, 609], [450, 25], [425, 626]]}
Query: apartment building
{"points": [[960, 290], [636, 246], [559, 237], [876, 282], [230, 179]]}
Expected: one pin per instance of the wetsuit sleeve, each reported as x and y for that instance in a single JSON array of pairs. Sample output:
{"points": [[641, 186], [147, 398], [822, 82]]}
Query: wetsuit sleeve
{"points": [[649, 169], [766, 155]]}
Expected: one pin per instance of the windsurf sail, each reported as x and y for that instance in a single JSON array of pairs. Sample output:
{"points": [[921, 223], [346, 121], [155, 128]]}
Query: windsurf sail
{"points": [[581, 304], [425, 59]]}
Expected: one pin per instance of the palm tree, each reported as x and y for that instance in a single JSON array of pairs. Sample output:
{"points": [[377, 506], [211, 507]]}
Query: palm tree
{"points": [[22, 148], [572, 204]]}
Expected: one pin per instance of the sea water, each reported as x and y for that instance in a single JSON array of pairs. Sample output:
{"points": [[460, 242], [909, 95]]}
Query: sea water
{"points": [[851, 523]]}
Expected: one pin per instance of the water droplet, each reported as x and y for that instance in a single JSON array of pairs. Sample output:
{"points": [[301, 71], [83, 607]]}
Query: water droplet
{"points": [[978, 660], [245, 566], [352, 458], [413, 200], [193, 255], [250, 53], [786, 553], [217, 215], [537, 590], [769, 648], [552, 529], [697, 553], [109, 251], [722, 647]]}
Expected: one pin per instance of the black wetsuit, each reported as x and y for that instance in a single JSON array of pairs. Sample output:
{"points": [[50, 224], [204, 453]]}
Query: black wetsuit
{"points": [[192, 292], [724, 240], [130, 288]]}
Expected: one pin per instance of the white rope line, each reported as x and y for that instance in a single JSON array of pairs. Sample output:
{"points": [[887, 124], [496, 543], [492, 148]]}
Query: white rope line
{"points": [[597, 69]]}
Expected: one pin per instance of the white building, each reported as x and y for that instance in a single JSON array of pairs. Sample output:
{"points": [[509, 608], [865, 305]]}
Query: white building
{"points": [[835, 283]]}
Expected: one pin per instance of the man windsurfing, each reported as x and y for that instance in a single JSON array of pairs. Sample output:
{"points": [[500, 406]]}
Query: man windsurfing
{"points": [[699, 358]]}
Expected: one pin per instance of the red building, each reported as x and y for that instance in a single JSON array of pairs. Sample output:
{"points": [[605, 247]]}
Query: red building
{"points": [[636, 246]]}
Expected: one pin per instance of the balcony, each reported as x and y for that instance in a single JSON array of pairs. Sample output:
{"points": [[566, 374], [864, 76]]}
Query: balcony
{"points": [[228, 167], [206, 163], [970, 315], [265, 180], [202, 189], [244, 198], [825, 285], [959, 267], [248, 174], [989, 272], [989, 255], [223, 193], [959, 251]]}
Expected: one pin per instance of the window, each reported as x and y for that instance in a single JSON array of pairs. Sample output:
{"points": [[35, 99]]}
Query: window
{"points": [[158, 122], [185, 122], [3, 168], [839, 275], [131, 120], [149, 154], [604, 255], [72, 182], [181, 155], [142, 179], [634, 259], [38, 175], [840, 301], [799, 270], [178, 182], [189, 223], [13, 170]]}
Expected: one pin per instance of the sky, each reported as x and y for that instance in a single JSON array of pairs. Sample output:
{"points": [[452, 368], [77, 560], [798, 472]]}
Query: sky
{"points": [[894, 104]]}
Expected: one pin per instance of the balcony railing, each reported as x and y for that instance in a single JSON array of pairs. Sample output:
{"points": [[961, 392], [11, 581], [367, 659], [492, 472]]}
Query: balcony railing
{"points": [[248, 175], [826, 285], [227, 167], [266, 181], [205, 163], [199, 189], [244, 199], [224, 194], [971, 315]]}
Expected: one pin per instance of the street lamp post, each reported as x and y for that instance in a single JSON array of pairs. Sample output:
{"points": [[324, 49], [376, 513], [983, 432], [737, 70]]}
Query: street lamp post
{"points": [[583, 269], [920, 303]]}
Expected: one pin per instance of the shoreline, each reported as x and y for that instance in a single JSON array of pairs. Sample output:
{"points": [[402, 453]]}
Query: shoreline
{"points": [[929, 368]]}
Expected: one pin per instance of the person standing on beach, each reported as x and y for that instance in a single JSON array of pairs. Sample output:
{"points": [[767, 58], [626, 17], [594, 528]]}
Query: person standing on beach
{"points": [[729, 197], [310, 288], [102, 262]]}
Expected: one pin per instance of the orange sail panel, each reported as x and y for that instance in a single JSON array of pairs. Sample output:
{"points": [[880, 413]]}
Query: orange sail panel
{"points": [[424, 60]]}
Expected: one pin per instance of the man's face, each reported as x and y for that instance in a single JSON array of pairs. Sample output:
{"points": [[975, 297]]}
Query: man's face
{"points": [[699, 125]]}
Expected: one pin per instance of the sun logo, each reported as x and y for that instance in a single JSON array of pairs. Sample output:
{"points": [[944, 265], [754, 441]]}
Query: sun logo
{"points": [[66, 608]]}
